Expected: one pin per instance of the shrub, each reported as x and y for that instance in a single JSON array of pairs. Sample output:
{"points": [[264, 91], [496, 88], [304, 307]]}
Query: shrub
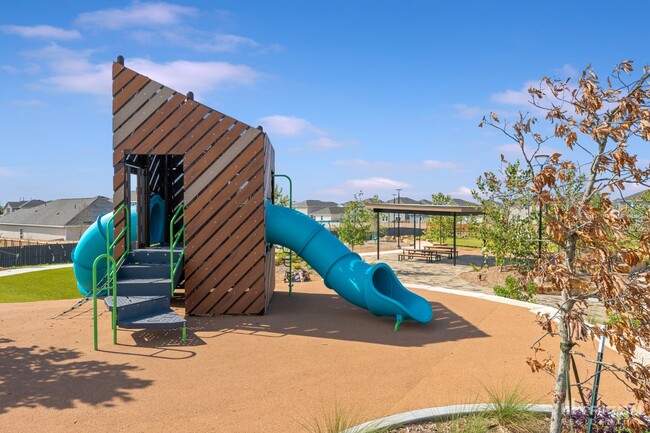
{"points": [[606, 420], [515, 289]]}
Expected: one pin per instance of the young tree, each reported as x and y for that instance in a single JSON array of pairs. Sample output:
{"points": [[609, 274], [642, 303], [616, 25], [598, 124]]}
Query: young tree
{"points": [[442, 227], [597, 122], [279, 198], [508, 226], [356, 222]]}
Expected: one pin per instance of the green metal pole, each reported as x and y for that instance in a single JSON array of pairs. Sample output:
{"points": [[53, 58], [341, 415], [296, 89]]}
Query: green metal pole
{"points": [[95, 305], [290, 252], [594, 391]]}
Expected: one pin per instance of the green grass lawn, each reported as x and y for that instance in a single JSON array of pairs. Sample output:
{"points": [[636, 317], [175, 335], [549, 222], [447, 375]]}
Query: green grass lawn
{"points": [[465, 242], [39, 286]]}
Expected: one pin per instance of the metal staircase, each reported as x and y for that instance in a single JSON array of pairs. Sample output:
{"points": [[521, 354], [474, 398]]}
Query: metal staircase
{"points": [[143, 288], [140, 284]]}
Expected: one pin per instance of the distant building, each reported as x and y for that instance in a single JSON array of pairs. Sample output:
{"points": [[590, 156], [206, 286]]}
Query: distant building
{"points": [[64, 219], [630, 199], [13, 206], [330, 214], [309, 207]]}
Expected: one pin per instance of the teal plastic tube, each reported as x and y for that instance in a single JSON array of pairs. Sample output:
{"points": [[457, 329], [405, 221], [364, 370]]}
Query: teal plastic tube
{"points": [[375, 288], [92, 243]]}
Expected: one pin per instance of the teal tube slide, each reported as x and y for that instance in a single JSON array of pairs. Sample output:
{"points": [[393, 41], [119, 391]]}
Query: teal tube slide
{"points": [[374, 288], [93, 242]]}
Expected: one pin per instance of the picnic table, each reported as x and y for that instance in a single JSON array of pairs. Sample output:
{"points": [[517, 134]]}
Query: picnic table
{"points": [[411, 253], [447, 250]]}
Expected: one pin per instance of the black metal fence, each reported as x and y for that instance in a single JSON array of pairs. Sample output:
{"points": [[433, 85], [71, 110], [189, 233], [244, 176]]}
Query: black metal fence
{"points": [[31, 255]]}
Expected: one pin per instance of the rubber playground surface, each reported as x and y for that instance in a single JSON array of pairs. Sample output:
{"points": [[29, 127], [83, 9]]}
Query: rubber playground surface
{"points": [[310, 353]]}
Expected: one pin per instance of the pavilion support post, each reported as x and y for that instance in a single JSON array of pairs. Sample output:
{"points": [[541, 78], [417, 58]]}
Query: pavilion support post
{"points": [[415, 241], [454, 251], [377, 235]]}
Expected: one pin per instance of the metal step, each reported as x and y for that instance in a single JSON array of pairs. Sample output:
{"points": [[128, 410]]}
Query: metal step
{"points": [[144, 286], [152, 255], [148, 270], [133, 307], [162, 320]]}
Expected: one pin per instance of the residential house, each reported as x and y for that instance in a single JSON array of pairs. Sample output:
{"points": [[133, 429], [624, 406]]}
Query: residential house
{"points": [[309, 207], [329, 216], [64, 219], [12, 206], [630, 200]]}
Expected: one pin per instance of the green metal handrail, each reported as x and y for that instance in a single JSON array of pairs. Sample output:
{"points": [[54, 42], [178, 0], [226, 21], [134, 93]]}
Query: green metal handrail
{"points": [[173, 241], [109, 280], [125, 231], [111, 284]]}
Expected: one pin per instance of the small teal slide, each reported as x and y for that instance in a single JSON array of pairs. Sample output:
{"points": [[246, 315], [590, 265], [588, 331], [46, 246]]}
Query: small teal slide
{"points": [[92, 243], [375, 288]]}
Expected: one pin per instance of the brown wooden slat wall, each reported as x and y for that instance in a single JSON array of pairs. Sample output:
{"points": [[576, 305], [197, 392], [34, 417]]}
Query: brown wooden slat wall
{"points": [[229, 269]]}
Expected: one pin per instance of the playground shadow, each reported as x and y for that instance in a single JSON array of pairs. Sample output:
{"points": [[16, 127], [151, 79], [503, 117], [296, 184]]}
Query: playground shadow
{"points": [[55, 378], [330, 317]]}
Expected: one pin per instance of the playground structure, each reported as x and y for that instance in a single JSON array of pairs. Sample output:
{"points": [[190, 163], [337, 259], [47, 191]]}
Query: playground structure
{"points": [[209, 179]]}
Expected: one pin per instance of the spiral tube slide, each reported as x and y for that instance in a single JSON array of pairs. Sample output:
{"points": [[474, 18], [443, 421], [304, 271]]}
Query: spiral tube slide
{"points": [[374, 288], [92, 243]]}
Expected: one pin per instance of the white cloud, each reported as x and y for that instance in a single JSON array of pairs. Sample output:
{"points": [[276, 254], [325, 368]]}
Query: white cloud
{"points": [[230, 43], [567, 71], [137, 15], [73, 72], [515, 97], [513, 148], [521, 98], [47, 32], [462, 192], [328, 143], [199, 77], [8, 68], [363, 164], [374, 183], [8, 172], [292, 126], [468, 111], [32, 103], [338, 192], [288, 126], [432, 163]]}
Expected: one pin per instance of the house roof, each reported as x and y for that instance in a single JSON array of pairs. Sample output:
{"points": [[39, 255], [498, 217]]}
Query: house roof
{"points": [[62, 212], [636, 196], [314, 203], [15, 204], [330, 210]]}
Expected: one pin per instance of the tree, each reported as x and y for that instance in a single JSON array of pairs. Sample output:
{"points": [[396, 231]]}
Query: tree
{"points": [[637, 209], [442, 227], [508, 227], [356, 222], [279, 198], [597, 123]]}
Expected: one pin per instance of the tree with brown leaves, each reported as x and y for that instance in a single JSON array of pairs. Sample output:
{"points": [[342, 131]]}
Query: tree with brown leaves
{"points": [[598, 124]]}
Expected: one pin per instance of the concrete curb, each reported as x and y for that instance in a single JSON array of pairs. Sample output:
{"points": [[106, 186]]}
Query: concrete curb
{"points": [[433, 414], [641, 355]]}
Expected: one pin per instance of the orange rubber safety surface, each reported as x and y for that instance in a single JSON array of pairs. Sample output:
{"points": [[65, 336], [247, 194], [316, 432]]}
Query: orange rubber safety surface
{"points": [[310, 353]]}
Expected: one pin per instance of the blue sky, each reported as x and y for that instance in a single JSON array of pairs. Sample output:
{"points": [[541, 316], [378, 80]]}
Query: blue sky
{"points": [[355, 95]]}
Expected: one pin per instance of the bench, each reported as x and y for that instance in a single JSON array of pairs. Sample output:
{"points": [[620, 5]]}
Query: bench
{"points": [[410, 253], [450, 252]]}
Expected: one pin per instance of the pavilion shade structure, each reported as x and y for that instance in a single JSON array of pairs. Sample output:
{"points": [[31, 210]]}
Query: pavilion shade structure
{"points": [[220, 169]]}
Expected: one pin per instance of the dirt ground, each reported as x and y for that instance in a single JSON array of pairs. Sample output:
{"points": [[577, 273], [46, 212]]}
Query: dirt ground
{"points": [[242, 374]]}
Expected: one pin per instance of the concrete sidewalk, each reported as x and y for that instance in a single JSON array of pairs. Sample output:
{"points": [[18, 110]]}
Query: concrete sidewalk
{"points": [[16, 271]]}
